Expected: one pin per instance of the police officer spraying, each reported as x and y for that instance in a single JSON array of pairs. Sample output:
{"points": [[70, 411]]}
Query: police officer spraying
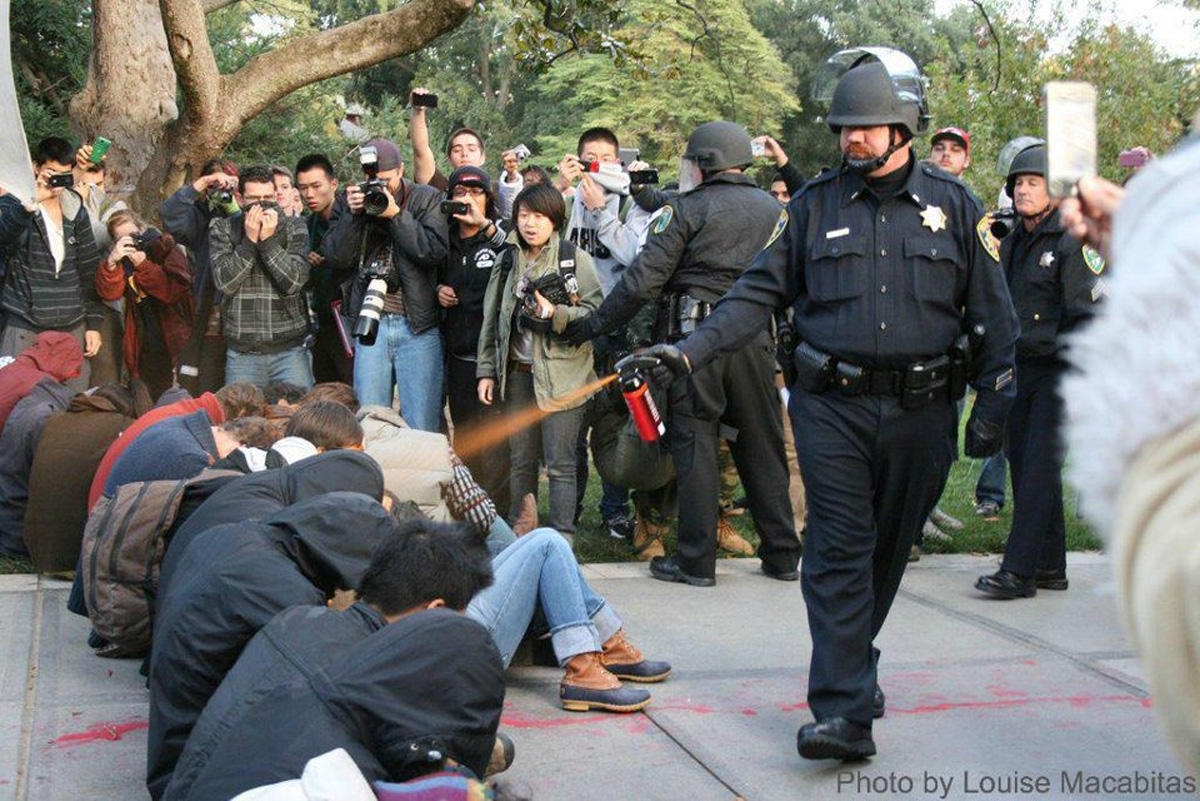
{"points": [[697, 245], [884, 264], [1055, 284]]}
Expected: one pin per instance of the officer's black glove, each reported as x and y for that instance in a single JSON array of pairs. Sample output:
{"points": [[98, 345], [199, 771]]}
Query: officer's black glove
{"points": [[984, 437], [672, 364], [579, 331]]}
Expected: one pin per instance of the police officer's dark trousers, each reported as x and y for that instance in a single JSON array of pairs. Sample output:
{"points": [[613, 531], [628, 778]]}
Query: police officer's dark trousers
{"points": [[1037, 540], [736, 389], [873, 472]]}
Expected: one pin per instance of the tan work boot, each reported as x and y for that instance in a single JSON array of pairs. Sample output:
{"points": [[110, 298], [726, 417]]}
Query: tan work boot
{"points": [[729, 540], [625, 661], [588, 685], [503, 752], [647, 539], [527, 520]]}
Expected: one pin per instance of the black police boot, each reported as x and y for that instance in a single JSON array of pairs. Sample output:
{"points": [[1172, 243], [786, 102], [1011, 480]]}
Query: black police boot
{"points": [[878, 703], [1007, 584], [666, 568], [835, 738], [1051, 579]]}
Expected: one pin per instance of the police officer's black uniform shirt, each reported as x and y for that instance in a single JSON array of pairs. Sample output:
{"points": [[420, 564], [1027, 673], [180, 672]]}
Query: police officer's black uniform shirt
{"points": [[1055, 284], [877, 282], [700, 242]]}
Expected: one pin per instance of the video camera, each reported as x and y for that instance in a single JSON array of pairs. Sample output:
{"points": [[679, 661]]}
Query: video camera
{"points": [[1003, 221]]}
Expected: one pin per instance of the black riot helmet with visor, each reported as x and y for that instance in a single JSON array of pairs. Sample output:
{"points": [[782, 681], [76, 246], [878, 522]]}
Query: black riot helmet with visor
{"points": [[712, 147], [870, 86]]}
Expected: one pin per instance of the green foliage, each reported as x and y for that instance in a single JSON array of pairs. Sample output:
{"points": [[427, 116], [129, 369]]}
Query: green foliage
{"points": [[50, 44], [698, 63]]}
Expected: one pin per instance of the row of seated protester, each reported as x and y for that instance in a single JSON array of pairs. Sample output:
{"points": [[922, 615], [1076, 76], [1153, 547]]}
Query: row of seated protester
{"points": [[312, 586]]}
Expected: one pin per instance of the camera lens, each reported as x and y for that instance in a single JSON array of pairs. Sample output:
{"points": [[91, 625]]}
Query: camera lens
{"points": [[366, 327]]}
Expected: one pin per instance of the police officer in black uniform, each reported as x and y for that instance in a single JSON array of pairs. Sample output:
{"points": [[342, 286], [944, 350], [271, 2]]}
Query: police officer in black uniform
{"points": [[1055, 283], [886, 266], [696, 247]]}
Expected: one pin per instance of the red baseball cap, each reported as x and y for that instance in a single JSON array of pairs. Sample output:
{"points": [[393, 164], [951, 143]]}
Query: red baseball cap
{"points": [[952, 133]]}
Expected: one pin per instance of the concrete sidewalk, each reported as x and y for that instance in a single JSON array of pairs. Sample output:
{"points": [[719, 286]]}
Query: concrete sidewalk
{"points": [[981, 694]]}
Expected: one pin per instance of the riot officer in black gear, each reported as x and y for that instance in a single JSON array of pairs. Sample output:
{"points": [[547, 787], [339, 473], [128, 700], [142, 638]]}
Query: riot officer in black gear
{"points": [[696, 247], [888, 268], [1056, 284]]}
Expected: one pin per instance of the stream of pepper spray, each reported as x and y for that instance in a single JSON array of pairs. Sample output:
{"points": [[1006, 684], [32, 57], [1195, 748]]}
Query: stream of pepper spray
{"points": [[477, 440]]}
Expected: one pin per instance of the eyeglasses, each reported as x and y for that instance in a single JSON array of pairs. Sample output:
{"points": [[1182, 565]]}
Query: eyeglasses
{"points": [[462, 190]]}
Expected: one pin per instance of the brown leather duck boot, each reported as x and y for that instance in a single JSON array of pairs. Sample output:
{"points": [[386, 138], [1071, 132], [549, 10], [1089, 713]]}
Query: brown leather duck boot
{"points": [[527, 520], [587, 685], [647, 539], [729, 540], [625, 661]]}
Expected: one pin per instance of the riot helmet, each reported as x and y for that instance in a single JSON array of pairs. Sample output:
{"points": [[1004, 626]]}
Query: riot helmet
{"points": [[712, 147], [867, 86], [1030, 161]]}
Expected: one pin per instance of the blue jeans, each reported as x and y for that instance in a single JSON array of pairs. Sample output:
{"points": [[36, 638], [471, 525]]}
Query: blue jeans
{"points": [[540, 568], [411, 362], [992, 474], [293, 365]]}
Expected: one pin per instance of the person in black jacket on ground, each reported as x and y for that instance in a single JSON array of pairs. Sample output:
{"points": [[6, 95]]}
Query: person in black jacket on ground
{"points": [[230, 582]]}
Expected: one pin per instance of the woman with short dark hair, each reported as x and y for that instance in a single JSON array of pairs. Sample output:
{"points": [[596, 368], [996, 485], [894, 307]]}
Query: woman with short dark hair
{"points": [[523, 359]]}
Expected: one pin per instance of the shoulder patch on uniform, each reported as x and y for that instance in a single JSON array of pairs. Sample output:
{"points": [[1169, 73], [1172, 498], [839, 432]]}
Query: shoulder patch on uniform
{"points": [[1093, 260], [986, 238], [780, 227], [661, 219]]}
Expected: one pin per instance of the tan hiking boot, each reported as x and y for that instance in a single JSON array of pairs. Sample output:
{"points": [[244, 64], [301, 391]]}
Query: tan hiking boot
{"points": [[729, 540], [647, 539], [527, 520], [587, 685], [625, 661], [503, 752]]}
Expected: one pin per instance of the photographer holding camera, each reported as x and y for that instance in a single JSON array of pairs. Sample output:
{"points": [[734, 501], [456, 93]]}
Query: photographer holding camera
{"points": [[260, 267], [394, 242], [50, 257], [153, 275], [186, 215]]}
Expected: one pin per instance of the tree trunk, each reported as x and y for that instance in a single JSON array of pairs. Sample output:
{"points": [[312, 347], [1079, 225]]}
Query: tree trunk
{"points": [[143, 51], [129, 97]]}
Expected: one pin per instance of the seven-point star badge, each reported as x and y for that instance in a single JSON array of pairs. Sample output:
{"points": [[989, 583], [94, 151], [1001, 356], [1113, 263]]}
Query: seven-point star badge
{"points": [[933, 218]]}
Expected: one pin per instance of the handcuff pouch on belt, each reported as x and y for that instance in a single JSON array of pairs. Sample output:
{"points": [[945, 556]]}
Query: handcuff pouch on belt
{"points": [[917, 385], [684, 314]]}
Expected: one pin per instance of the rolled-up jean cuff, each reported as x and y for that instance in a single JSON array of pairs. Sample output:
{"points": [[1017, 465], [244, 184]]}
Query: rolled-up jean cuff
{"points": [[573, 640], [607, 623]]}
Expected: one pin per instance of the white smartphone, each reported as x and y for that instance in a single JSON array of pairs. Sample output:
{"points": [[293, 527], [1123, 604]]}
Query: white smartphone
{"points": [[1070, 135]]}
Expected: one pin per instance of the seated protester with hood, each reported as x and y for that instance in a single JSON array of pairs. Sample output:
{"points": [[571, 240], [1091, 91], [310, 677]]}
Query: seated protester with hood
{"points": [[229, 402], [69, 449], [50, 260], [421, 573], [215, 502], [392, 247], [154, 277], [18, 446], [477, 245], [53, 355], [229, 583]]}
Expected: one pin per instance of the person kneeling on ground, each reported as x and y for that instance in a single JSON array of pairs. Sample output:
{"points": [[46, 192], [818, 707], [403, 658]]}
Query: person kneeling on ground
{"points": [[268, 705], [540, 569]]}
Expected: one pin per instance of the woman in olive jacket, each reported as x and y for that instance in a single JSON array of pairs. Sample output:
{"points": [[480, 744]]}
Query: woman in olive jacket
{"points": [[524, 362]]}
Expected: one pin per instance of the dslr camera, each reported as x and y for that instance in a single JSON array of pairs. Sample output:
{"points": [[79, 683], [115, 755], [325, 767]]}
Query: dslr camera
{"points": [[375, 199], [143, 240], [63, 180]]}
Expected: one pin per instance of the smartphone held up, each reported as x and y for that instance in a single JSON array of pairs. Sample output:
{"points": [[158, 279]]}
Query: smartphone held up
{"points": [[1070, 135]]}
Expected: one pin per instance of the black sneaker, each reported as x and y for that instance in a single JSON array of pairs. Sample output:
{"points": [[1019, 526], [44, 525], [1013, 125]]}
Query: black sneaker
{"points": [[620, 526]]}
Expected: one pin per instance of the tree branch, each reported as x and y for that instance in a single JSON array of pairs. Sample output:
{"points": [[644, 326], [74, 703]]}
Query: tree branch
{"points": [[192, 55], [216, 5], [307, 59]]}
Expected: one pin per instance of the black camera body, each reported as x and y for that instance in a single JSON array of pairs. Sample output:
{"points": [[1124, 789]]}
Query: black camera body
{"points": [[61, 180], [375, 199], [425, 99], [643, 177], [450, 207], [142, 241], [553, 287]]}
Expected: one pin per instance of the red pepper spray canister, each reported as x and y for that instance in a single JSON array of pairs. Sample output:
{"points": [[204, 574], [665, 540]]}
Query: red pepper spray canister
{"points": [[636, 390]]}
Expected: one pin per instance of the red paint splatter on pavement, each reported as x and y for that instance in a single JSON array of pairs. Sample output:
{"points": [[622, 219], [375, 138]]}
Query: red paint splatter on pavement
{"points": [[99, 731], [518, 721], [794, 707], [1077, 701], [750, 713], [699, 709]]}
